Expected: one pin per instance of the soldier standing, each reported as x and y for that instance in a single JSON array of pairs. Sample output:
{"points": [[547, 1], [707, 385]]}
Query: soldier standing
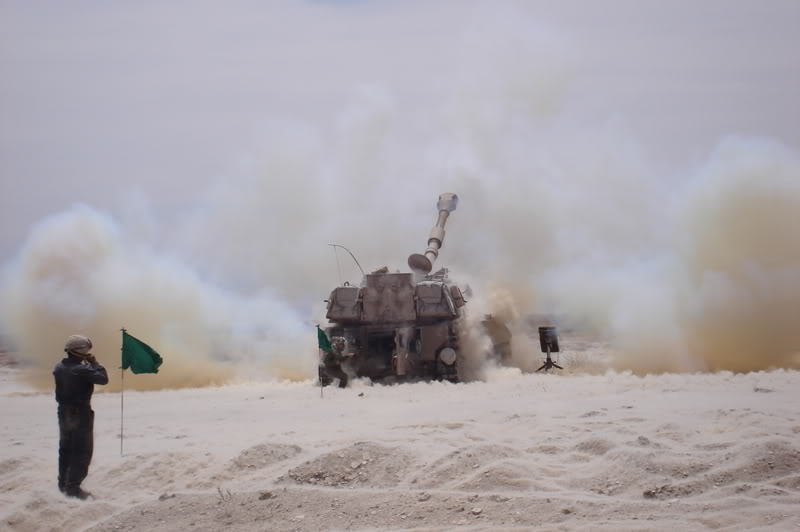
{"points": [[75, 377], [332, 361]]}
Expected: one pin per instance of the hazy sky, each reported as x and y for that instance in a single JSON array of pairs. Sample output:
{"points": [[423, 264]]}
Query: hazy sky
{"points": [[122, 103], [180, 167]]}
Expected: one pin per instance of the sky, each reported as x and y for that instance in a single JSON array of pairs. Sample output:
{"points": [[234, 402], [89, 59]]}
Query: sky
{"points": [[153, 101], [229, 143]]}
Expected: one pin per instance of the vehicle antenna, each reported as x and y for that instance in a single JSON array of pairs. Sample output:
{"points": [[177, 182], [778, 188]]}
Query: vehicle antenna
{"points": [[336, 254], [351, 254]]}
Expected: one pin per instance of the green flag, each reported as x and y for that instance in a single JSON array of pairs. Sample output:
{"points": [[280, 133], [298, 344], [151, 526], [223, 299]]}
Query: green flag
{"points": [[138, 356], [323, 341]]}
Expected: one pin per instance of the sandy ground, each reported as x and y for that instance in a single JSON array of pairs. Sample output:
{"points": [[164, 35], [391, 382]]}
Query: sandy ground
{"points": [[520, 452]]}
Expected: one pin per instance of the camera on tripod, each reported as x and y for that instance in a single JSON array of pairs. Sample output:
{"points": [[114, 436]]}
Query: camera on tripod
{"points": [[548, 341]]}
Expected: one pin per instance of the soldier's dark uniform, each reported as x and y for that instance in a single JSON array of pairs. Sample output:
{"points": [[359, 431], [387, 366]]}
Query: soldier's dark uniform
{"points": [[74, 387], [332, 365]]}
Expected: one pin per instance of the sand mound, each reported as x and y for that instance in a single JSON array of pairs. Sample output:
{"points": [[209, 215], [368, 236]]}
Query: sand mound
{"points": [[501, 477], [363, 464], [263, 455], [160, 471], [467, 466], [603, 453], [598, 446], [9, 466]]}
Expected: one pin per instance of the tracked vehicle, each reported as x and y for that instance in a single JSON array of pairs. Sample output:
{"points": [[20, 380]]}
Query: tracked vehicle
{"points": [[400, 326]]}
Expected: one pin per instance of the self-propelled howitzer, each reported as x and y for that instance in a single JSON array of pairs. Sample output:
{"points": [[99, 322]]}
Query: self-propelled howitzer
{"points": [[402, 325]]}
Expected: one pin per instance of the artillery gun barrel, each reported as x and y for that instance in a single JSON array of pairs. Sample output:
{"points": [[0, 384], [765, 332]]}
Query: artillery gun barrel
{"points": [[423, 263]]}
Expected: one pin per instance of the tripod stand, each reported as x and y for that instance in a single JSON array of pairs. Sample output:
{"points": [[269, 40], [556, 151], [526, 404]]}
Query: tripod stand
{"points": [[548, 363], [548, 341]]}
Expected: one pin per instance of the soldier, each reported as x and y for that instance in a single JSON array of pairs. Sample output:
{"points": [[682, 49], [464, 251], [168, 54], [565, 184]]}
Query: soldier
{"points": [[332, 361], [75, 378]]}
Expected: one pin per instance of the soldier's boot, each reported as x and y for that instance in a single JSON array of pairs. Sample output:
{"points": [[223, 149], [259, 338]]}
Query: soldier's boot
{"points": [[77, 493]]}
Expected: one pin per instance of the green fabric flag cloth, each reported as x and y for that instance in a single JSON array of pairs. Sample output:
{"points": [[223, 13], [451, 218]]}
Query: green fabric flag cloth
{"points": [[138, 356], [323, 341]]}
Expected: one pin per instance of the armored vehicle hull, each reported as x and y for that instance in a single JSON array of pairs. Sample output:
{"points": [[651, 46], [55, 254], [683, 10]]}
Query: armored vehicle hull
{"points": [[396, 327], [401, 325], [405, 325]]}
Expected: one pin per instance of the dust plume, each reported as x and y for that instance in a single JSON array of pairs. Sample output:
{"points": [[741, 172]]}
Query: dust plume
{"points": [[78, 274], [741, 257], [687, 269], [721, 292], [510, 305]]}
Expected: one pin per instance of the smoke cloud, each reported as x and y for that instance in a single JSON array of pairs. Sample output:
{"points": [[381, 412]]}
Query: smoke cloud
{"points": [[720, 291], [79, 273], [689, 270]]}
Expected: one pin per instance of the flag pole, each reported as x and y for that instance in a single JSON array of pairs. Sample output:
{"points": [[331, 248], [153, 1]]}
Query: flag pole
{"points": [[121, 394], [320, 353], [319, 373]]}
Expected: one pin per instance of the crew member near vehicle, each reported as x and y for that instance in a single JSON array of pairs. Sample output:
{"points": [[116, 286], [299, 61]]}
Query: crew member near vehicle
{"points": [[75, 377], [332, 361]]}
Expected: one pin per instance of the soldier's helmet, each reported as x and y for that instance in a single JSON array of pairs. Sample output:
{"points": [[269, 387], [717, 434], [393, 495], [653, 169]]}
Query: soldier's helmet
{"points": [[78, 344], [338, 342]]}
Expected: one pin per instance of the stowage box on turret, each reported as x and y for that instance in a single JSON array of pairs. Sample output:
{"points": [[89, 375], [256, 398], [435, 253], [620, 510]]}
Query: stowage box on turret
{"points": [[402, 325]]}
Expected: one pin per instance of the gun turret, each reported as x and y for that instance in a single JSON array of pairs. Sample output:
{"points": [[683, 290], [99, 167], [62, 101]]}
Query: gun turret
{"points": [[423, 263], [405, 326]]}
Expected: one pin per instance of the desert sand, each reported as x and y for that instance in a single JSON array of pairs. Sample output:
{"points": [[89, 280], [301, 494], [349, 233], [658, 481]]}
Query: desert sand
{"points": [[517, 452]]}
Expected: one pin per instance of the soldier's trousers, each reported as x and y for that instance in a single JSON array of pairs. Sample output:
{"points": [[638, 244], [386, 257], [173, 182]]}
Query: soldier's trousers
{"points": [[75, 446], [336, 372]]}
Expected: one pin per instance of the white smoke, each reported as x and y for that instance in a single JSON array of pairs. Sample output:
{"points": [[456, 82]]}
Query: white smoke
{"points": [[720, 291], [686, 272], [79, 272]]}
